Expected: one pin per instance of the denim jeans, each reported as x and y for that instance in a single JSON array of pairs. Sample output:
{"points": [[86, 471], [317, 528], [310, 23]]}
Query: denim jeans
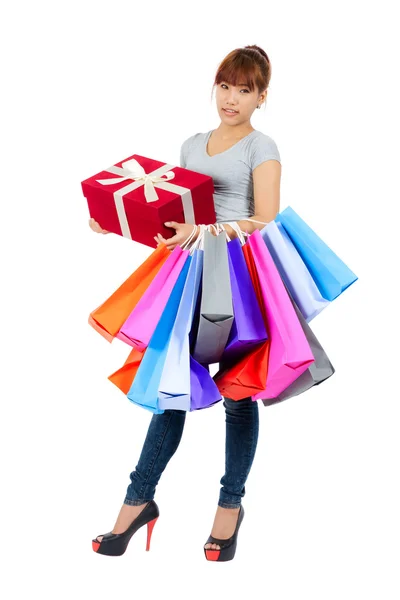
{"points": [[162, 440]]}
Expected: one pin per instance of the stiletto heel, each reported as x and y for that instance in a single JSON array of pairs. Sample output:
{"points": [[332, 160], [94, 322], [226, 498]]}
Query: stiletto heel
{"points": [[150, 527], [227, 547], [115, 544]]}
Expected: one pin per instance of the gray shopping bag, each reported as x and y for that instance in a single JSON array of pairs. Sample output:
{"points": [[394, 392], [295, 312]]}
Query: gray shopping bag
{"points": [[216, 309], [320, 370]]}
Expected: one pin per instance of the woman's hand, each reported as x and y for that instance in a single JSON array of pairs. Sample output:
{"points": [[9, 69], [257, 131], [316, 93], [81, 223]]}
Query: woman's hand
{"points": [[96, 227], [183, 231]]}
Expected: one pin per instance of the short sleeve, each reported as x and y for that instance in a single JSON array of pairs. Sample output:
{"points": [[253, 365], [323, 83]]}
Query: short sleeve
{"points": [[264, 148], [184, 152]]}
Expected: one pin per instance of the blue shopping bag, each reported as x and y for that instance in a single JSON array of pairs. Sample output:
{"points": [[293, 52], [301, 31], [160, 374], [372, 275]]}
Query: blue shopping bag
{"points": [[144, 388], [293, 271], [185, 384], [329, 272]]}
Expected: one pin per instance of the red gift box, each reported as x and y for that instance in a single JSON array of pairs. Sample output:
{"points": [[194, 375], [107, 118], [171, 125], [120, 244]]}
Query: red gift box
{"points": [[135, 197]]}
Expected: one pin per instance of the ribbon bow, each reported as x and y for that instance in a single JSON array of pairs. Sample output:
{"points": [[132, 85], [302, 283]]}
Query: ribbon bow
{"points": [[131, 169]]}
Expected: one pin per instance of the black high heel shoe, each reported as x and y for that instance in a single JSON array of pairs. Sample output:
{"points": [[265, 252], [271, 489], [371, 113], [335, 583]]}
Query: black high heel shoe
{"points": [[115, 544], [227, 547]]}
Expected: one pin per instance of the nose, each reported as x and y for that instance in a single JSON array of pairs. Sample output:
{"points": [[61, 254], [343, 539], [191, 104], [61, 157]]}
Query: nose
{"points": [[232, 98]]}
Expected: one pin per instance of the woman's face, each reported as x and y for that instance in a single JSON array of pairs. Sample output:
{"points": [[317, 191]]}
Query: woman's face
{"points": [[238, 98]]}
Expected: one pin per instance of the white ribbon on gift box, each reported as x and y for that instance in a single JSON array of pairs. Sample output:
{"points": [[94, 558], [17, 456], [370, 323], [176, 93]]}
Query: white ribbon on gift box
{"points": [[132, 169]]}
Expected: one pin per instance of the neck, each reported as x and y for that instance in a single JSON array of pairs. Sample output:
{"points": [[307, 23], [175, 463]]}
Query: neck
{"points": [[234, 131]]}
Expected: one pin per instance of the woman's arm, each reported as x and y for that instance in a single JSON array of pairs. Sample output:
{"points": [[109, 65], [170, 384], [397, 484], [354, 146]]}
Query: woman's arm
{"points": [[266, 189]]}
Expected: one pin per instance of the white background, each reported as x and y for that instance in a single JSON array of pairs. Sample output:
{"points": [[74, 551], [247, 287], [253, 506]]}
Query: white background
{"points": [[87, 84]]}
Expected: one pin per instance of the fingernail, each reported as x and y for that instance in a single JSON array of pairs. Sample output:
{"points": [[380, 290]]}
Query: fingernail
{"points": [[167, 223]]}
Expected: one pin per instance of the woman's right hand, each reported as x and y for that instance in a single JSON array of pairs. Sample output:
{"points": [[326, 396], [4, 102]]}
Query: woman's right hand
{"points": [[96, 227]]}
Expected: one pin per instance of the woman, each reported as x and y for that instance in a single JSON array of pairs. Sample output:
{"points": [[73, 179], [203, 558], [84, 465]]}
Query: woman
{"points": [[245, 166]]}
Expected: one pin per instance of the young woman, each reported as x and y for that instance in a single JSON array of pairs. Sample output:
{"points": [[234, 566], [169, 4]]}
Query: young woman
{"points": [[245, 166]]}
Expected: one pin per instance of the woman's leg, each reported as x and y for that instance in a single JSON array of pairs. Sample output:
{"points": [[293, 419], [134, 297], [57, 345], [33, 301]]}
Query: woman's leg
{"points": [[162, 440], [242, 421]]}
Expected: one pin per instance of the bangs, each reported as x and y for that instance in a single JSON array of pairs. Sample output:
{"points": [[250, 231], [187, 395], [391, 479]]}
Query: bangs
{"points": [[240, 70]]}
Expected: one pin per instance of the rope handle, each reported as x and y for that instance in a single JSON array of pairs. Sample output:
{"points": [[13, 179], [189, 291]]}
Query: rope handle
{"points": [[191, 236], [240, 232], [198, 241], [219, 228]]}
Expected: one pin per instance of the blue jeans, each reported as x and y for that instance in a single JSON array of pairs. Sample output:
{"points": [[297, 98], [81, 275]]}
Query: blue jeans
{"points": [[162, 440]]}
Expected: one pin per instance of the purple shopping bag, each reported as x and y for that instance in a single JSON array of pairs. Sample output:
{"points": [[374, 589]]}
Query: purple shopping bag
{"points": [[204, 391], [248, 328]]}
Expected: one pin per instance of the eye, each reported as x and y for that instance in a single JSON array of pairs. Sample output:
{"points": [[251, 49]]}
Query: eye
{"points": [[242, 90]]}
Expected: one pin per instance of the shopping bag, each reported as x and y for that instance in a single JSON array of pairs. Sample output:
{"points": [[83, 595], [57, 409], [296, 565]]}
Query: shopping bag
{"points": [[216, 310], [185, 384], [329, 272], [320, 370], [108, 318], [125, 375], [290, 353], [145, 386], [248, 327], [174, 388], [244, 377], [293, 271], [203, 390], [141, 323]]}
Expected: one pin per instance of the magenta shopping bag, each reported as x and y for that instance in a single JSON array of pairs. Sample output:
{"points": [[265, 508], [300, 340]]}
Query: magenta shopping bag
{"points": [[290, 353], [141, 323]]}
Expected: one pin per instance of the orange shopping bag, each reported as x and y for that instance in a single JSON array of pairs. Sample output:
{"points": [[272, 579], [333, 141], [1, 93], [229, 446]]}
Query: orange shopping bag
{"points": [[123, 378], [109, 317], [248, 375]]}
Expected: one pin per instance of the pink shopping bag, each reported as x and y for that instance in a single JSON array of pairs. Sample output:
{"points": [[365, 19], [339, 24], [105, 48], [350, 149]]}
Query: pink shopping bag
{"points": [[141, 323], [290, 353]]}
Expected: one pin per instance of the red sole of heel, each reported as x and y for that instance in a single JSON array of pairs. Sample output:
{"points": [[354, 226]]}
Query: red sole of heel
{"points": [[212, 554], [150, 527]]}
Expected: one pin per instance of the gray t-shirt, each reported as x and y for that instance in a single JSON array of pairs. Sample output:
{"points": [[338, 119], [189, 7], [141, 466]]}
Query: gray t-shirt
{"points": [[231, 170]]}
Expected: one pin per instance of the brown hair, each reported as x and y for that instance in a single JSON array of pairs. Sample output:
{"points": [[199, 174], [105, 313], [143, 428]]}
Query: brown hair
{"points": [[249, 65]]}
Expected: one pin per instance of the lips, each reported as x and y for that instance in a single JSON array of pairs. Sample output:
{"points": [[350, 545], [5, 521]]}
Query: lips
{"points": [[230, 111]]}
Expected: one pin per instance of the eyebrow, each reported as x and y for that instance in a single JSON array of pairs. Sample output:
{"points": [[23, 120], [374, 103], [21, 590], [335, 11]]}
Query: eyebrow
{"points": [[240, 84]]}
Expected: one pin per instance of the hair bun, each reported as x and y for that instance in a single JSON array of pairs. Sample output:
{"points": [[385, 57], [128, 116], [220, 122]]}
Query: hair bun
{"points": [[260, 50]]}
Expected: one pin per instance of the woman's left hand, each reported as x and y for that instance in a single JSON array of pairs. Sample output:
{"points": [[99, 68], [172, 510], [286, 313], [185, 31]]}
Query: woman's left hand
{"points": [[183, 231]]}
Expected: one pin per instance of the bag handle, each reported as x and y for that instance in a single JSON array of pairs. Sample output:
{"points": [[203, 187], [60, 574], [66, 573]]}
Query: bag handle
{"points": [[191, 236], [221, 229], [198, 244], [254, 221], [241, 234]]}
